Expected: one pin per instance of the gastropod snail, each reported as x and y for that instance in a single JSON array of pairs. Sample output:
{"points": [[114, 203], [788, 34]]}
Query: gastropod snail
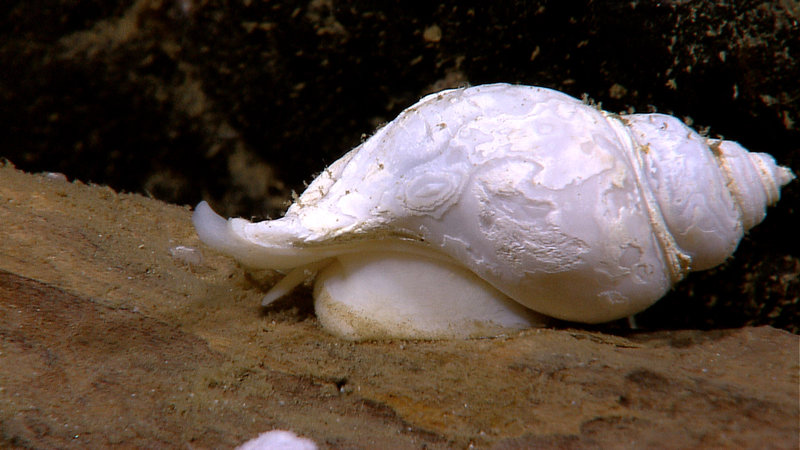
{"points": [[478, 210]]}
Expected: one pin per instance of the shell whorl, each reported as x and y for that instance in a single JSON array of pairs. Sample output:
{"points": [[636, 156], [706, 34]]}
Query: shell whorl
{"points": [[710, 192]]}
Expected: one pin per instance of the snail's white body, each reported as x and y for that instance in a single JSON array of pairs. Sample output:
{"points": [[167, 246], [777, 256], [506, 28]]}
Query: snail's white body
{"points": [[478, 206]]}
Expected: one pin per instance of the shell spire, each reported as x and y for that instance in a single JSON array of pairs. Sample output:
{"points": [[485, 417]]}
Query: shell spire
{"points": [[755, 179]]}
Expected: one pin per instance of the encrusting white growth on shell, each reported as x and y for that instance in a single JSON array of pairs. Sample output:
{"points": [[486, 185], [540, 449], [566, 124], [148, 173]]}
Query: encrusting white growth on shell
{"points": [[476, 207]]}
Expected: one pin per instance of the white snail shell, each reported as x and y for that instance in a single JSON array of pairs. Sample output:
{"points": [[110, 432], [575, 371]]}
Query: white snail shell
{"points": [[477, 206]]}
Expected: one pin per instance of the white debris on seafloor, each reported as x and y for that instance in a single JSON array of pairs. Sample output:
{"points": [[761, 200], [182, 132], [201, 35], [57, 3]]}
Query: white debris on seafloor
{"points": [[278, 439], [55, 176], [187, 255]]}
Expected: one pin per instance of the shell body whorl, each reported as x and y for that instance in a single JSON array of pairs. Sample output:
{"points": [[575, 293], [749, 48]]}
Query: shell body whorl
{"points": [[568, 210]]}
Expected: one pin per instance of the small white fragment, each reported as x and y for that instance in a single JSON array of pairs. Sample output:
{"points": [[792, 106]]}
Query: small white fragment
{"points": [[55, 176], [278, 439], [187, 255]]}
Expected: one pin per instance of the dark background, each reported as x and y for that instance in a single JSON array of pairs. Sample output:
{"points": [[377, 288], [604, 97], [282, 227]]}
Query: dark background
{"points": [[240, 102]]}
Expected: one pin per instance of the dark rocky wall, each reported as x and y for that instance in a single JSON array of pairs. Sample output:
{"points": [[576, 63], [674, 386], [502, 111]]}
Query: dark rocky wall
{"points": [[241, 101]]}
